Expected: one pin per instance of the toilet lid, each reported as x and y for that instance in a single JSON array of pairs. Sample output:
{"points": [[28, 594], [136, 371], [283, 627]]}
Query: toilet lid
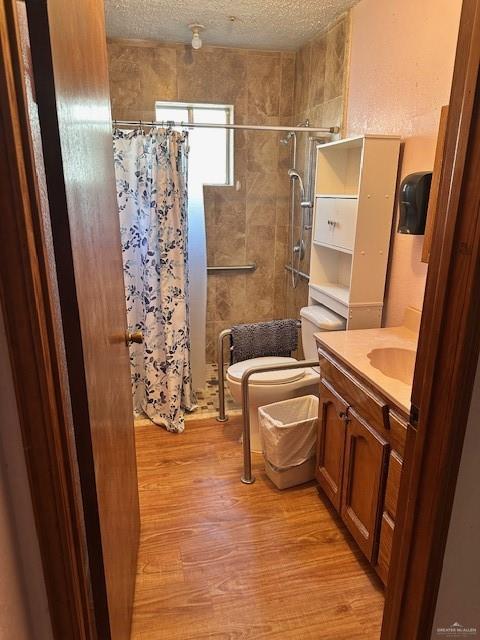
{"points": [[235, 371]]}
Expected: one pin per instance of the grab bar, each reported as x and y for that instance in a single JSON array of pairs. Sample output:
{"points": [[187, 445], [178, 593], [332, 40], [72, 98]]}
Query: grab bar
{"points": [[221, 376], [222, 417], [247, 477], [232, 267], [301, 274]]}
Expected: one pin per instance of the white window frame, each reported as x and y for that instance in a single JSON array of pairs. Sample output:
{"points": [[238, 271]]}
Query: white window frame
{"points": [[228, 109]]}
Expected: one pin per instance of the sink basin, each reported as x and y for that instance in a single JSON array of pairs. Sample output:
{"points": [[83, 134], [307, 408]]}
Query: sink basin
{"points": [[394, 363]]}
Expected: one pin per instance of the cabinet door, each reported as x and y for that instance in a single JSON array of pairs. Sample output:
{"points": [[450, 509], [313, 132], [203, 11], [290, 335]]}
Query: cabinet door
{"points": [[335, 222], [331, 443], [364, 474]]}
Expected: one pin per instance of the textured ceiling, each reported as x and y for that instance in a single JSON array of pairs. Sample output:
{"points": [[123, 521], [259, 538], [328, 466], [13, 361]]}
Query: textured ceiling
{"points": [[258, 24]]}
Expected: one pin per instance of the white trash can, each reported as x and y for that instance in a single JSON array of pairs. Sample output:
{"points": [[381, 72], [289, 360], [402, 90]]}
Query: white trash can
{"points": [[288, 431]]}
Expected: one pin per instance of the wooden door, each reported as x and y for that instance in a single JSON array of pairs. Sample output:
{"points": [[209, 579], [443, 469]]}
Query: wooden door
{"points": [[363, 481], [331, 443], [68, 45]]}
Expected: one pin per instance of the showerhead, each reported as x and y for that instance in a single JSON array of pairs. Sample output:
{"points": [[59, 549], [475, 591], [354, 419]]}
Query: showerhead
{"points": [[287, 138], [293, 173]]}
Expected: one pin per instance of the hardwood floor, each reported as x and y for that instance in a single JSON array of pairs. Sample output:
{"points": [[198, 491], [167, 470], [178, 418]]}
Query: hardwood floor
{"points": [[226, 561]]}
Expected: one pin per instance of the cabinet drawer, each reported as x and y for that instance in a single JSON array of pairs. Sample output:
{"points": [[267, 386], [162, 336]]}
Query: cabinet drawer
{"points": [[335, 222], [385, 548], [393, 484], [368, 405], [371, 406]]}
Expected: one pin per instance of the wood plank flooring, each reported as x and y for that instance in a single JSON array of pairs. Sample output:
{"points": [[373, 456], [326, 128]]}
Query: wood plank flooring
{"points": [[220, 560]]}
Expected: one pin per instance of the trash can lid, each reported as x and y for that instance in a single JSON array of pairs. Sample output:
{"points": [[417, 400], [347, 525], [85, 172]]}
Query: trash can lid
{"points": [[323, 318], [236, 371]]}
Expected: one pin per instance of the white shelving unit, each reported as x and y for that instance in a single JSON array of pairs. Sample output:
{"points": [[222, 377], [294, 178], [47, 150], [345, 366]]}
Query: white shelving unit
{"points": [[354, 202]]}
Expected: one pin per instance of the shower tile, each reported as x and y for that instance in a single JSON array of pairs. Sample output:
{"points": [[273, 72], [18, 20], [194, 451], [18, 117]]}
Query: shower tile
{"points": [[211, 72], [333, 112], [284, 156], [210, 347], [262, 149], [302, 80], [259, 285], [287, 89], [335, 61], [158, 74], [124, 71], [261, 199], [282, 203], [316, 115], [211, 296], [317, 72], [230, 298], [263, 82]]}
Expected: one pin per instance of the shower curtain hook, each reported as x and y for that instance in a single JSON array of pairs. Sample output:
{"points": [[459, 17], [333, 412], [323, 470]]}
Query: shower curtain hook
{"points": [[142, 131]]}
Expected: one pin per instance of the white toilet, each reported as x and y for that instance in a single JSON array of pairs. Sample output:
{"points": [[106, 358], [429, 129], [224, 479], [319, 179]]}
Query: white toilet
{"points": [[266, 388]]}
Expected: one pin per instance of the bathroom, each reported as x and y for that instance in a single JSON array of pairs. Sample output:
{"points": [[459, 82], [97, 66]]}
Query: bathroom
{"points": [[280, 350]]}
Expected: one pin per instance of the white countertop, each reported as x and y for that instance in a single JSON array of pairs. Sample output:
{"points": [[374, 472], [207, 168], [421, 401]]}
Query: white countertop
{"points": [[389, 371]]}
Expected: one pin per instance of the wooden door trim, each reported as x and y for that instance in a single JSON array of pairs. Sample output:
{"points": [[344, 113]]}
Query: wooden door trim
{"points": [[453, 275], [447, 359], [29, 306]]}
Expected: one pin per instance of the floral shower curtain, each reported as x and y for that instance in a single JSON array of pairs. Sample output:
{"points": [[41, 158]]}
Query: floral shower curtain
{"points": [[151, 180]]}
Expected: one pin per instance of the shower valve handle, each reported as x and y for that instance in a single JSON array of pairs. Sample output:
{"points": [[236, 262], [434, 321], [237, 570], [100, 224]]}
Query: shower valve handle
{"points": [[134, 336]]}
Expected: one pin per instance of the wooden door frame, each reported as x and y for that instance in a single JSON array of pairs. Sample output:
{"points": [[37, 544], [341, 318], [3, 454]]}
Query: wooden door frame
{"points": [[447, 359], [449, 347], [30, 307]]}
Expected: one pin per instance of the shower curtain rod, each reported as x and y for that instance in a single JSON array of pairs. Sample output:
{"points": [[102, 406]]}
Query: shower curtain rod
{"points": [[206, 125]]}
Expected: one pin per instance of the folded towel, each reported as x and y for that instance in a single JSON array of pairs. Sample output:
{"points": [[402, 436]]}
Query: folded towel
{"points": [[274, 338]]}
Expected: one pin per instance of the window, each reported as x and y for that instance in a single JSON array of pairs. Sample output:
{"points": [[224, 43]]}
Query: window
{"points": [[211, 150]]}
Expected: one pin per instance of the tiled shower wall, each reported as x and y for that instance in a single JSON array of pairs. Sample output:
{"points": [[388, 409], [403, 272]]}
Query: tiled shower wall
{"points": [[245, 224], [249, 223], [320, 96]]}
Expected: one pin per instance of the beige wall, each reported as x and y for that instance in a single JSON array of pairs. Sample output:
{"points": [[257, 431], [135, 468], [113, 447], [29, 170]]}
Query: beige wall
{"points": [[23, 601], [401, 64], [320, 80], [245, 225]]}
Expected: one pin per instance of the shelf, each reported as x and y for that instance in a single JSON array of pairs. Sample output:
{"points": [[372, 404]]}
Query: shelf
{"points": [[333, 247], [333, 290]]}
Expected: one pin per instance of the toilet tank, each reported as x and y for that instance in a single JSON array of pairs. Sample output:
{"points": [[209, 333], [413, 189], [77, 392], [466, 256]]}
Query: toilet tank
{"points": [[314, 319]]}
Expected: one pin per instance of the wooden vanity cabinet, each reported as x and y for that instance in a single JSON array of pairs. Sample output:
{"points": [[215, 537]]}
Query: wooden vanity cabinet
{"points": [[360, 444], [331, 443], [363, 482]]}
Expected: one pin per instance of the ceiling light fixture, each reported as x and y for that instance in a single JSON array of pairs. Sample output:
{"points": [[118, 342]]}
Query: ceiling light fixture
{"points": [[196, 39]]}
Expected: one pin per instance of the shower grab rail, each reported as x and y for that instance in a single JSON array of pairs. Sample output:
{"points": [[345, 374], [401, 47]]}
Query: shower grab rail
{"points": [[222, 417], [301, 274], [247, 477], [232, 267]]}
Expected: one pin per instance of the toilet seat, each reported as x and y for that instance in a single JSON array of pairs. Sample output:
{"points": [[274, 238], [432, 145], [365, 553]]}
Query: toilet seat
{"points": [[235, 371]]}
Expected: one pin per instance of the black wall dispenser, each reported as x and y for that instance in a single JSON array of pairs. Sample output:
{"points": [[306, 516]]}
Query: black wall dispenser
{"points": [[414, 194]]}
